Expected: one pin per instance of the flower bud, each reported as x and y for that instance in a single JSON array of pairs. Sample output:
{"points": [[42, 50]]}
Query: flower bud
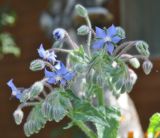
{"points": [[18, 116], [83, 30], [121, 32], [59, 34], [142, 48], [81, 11], [37, 65], [134, 62], [147, 67], [36, 89]]}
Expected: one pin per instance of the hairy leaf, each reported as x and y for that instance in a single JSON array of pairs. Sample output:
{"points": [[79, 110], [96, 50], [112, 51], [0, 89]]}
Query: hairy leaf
{"points": [[35, 121], [56, 106]]}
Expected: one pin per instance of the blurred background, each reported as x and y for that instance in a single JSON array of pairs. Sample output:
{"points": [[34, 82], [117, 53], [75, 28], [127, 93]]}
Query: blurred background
{"points": [[139, 18]]}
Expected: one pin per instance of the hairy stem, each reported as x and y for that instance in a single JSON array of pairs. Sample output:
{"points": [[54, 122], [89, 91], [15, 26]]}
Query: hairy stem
{"points": [[89, 36], [48, 86], [62, 50], [21, 106], [123, 48], [85, 129], [71, 42], [44, 93]]}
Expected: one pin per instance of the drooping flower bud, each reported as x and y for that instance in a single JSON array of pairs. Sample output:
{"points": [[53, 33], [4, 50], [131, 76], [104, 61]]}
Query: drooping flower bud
{"points": [[147, 67], [83, 30], [37, 65], [81, 11], [59, 34], [18, 116], [143, 48], [134, 62], [36, 89]]}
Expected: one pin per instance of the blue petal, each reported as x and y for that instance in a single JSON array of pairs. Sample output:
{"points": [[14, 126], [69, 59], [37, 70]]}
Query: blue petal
{"points": [[100, 33], [51, 80], [111, 31], [52, 57], [98, 44], [63, 82], [15, 92], [41, 51], [110, 48], [19, 95], [11, 85], [116, 39], [49, 74], [69, 76], [62, 69]]}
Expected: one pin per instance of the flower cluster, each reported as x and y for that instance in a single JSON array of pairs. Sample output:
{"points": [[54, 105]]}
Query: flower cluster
{"points": [[83, 100], [59, 73]]}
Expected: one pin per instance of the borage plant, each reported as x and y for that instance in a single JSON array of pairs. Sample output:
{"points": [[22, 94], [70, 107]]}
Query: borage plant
{"points": [[77, 90]]}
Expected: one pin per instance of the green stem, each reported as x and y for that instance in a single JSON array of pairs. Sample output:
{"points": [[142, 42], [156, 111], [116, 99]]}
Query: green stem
{"points": [[21, 106], [89, 36], [101, 96], [62, 50], [86, 129]]}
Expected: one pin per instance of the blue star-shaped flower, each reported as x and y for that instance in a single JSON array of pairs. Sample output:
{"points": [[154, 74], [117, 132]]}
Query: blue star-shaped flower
{"points": [[15, 91], [106, 38], [46, 54], [61, 75]]}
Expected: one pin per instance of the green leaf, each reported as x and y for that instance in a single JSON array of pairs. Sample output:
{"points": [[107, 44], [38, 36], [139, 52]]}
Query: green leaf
{"points": [[112, 118], [78, 55], [56, 106], [86, 112], [35, 121], [154, 125], [106, 120]]}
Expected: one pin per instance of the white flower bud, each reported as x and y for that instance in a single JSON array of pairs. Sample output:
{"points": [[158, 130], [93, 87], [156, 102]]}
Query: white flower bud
{"points": [[147, 67], [81, 11], [132, 60], [83, 30], [18, 116], [59, 34], [37, 65]]}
